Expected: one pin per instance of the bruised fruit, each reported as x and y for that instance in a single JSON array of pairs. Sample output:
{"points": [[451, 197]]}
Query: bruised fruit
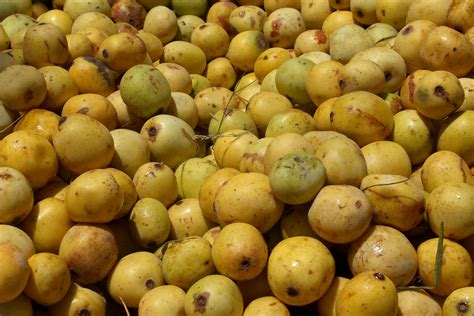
{"points": [[214, 295], [92, 76], [283, 26], [15, 272]]}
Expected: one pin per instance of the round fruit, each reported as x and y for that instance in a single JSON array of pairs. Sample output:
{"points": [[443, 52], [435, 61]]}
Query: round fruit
{"points": [[16, 196], [79, 300], [156, 180], [164, 300], [15, 272]]}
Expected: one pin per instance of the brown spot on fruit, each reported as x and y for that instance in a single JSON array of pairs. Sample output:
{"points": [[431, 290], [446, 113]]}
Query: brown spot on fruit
{"points": [[83, 110], [331, 117], [105, 53], [387, 76], [359, 13], [462, 307], [245, 263], [358, 204], [152, 132], [439, 92], [379, 276], [62, 120], [200, 302], [342, 84], [150, 284], [28, 95], [320, 37], [5, 176], [84, 312], [291, 291], [407, 30], [411, 89]]}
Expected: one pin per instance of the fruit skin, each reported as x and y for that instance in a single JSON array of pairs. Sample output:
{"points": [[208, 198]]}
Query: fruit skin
{"points": [[459, 302], [133, 276], [291, 77], [15, 272], [451, 204], [122, 51], [417, 302], [165, 300], [16, 196], [90, 252], [266, 306], [368, 293], [327, 302], [92, 76], [145, 91], [347, 40], [300, 270], [22, 87], [456, 266], [254, 43], [386, 157], [297, 178], [186, 261], [240, 252], [283, 26], [214, 295], [79, 300]]}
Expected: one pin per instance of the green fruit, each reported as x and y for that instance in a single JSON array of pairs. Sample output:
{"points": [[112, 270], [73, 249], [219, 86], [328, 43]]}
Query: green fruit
{"points": [[145, 91], [186, 7], [296, 178], [291, 79]]}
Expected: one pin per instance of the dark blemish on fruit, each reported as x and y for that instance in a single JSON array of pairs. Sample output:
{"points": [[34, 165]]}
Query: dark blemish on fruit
{"points": [[387, 76], [245, 263], [297, 159], [83, 110], [159, 165], [152, 132], [150, 284], [179, 202], [28, 95], [455, 49], [439, 91], [103, 70], [200, 302], [105, 53], [379, 276], [228, 112], [261, 42], [84, 312], [331, 117], [359, 13], [358, 204], [383, 12], [462, 307], [320, 37], [5, 176], [151, 244], [62, 120], [291, 291], [407, 30], [342, 84], [74, 274]]}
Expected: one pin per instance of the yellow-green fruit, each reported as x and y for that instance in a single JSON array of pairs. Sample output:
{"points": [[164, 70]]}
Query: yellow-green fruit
{"points": [[165, 300], [393, 13], [161, 22], [177, 76], [343, 161], [145, 91], [187, 219], [450, 204], [368, 293], [210, 100], [82, 143], [15, 6], [348, 40], [16, 196], [231, 119], [415, 133], [214, 295], [295, 223], [230, 147], [184, 107], [362, 116], [386, 157], [456, 266], [149, 223], [459, 302], [311, 41], [188, 55], [296, 178], [245, 48], [45, 44], [31, 154], [248, 198], [79, 300], [417, 302], [396, 200], [94, 197], [186, 261], [240, 252], [270, 59], [20, 306], [171, 140], [22, 87], [349, 205], [186, 26], [92, 76], [95, 19], [364, 75], [327, 302], [79, 45], [438, 94], [58, 18], [252, 159], [212, 39], [221, 73], [290, 79], [43, 122], [191, 175], [154, 46], [15, 272], [122, 51], [455, 134], [266, 306], [247, 17], [376, 250], [74, 8], [444, 166], [326, 80], [49, 279], [300, 270], [90, 252], [13, 23], [133, 276], [290, 121]]}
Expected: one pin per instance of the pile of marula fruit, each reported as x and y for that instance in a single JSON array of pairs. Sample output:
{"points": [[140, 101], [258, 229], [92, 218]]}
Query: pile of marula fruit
{"points": [[246, 157]]}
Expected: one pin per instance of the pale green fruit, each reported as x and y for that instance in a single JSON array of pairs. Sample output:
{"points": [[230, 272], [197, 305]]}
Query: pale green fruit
{"points": [[296, 178], [191, 174], [291, 79], [348, 40], [145, 91]]}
